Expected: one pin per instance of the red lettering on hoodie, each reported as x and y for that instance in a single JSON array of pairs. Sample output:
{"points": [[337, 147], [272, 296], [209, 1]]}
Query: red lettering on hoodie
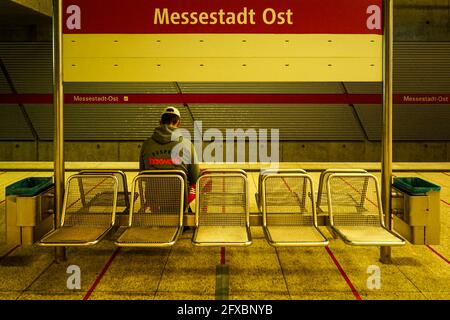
{"points": [[156, 161]]}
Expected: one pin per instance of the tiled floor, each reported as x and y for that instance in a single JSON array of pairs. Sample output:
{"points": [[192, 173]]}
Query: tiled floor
{"points": [[256, 272]]}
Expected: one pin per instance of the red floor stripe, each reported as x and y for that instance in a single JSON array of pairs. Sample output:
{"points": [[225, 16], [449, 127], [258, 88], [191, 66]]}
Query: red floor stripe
{"points": [[9, 252], [102, 273], [222, 255], [438, 254], [286, 184], [431, 248], [291, 191], [344, 275]]}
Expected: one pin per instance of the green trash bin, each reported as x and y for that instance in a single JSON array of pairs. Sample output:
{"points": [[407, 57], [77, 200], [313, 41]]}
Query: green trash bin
{"points": [[416, 208], [29, 209], [29, 187], [414, 185]]}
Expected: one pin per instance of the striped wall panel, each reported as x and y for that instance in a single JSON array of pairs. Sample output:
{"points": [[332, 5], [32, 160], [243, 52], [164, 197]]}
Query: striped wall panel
{"points": [[13, 125], [295, 122], [411, 122], [102, 122]]}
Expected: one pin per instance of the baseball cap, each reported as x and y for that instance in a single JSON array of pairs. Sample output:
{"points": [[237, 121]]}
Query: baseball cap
{"points": [[171, 110]]}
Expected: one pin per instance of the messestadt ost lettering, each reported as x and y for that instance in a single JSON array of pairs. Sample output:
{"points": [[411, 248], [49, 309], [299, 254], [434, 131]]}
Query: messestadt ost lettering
{"points": [[246, 16], [214, 16]]}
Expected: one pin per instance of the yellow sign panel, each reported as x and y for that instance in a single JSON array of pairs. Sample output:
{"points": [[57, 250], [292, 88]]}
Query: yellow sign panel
{"points": [[222, 57]]}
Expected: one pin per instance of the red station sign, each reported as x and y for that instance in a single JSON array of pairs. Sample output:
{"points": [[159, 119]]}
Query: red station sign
{"points": [[218, 16]]}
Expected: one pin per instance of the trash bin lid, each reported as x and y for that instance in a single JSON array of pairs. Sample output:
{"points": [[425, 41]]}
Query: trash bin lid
{"points": [[415, 185], [29, 187]]}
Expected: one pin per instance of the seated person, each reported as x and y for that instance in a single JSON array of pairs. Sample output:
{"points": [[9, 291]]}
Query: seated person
{"points": [[156, 152]]}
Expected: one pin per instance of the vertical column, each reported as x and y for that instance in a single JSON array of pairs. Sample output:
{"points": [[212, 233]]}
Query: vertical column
{"points": [[386, 140], [58, 103]]}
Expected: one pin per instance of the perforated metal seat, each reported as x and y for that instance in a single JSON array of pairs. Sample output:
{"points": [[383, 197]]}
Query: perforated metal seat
{"points": [[84, 220], [222, 213], [289, 215], [123, 196], [269, 171], [354, 205], [322, 194], [157, 207], [75, 235]]}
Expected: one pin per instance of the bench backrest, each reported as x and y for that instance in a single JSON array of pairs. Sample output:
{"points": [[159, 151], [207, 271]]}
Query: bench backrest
{"points": [[83, 201], [354, 200], [288, 199], [158, 198], [222, 199]]}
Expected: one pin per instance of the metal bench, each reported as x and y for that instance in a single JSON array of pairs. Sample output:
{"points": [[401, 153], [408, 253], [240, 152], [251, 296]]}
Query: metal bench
{"points": [[354, 206], [157, 208], [222, 209], [288, 208], [84, 220]]}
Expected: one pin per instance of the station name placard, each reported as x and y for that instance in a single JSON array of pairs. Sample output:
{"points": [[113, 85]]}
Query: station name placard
{"points": [[218, 16]]}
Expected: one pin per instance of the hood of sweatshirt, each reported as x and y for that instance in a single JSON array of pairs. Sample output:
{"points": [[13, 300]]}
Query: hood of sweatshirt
{"points": [[163, 134]]}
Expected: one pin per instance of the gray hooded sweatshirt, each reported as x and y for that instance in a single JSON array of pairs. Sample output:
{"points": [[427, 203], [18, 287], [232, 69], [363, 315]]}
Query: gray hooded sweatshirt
{"points": [[167, 149]]}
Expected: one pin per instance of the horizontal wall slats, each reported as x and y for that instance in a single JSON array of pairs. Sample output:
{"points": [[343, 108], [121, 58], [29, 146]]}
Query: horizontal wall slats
{"points": [[295, 122], [411, 122], [4, 86], [29, 65], [136, 122], [261, 87], [422, 67], [121, 88], [13, 125], [102, 122]]}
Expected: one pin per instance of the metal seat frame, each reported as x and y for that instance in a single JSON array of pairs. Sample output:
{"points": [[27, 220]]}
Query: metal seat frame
{"points": [[245, 230], [349, 239], [269, 171], [148, 243], [324, 175], [313, 228], [123, 178], [78, 242], [225, 171]]}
